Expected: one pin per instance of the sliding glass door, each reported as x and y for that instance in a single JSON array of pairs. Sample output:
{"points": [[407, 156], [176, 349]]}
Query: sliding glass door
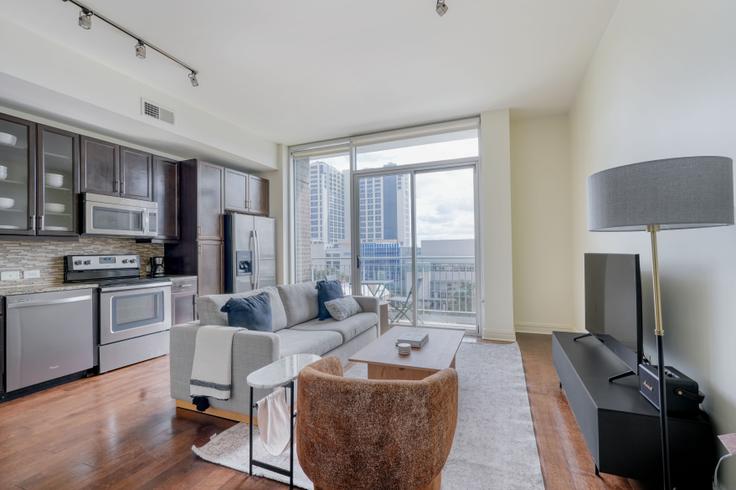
{"points": [[416, 242], [446, 242]]}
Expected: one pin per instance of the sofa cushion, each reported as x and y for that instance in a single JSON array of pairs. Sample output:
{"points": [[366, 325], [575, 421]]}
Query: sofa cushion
{"points": [[252, 312], [342, 308], [300, 342], [209, 307], [327, 291], [300, 302], [348, 328]]}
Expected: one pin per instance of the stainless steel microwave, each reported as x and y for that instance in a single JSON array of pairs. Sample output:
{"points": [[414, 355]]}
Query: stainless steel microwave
{"points": [[119, 216]]}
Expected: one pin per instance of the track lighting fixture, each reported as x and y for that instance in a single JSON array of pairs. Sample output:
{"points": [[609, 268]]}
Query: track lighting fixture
{"points": [[85, 19], [441, 8], [193, 78], [140, 50], [85, 22]]}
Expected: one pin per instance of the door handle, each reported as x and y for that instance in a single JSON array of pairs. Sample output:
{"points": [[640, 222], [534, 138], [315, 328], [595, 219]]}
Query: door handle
{"points": [[115, 185], [41, 222], [32, 222], [258, 260], [61, 301], [252, 246], [122, 187]]}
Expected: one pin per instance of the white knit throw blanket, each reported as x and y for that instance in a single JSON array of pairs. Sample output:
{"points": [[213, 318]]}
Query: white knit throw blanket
{"points": [[212, 368]]}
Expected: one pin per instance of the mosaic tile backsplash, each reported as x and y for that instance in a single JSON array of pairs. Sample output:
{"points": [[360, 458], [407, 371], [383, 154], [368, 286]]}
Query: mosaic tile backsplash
{"points": [[47, 256]]}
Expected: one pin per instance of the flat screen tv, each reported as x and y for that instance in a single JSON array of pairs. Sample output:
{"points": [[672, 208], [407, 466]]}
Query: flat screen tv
{"points": [[613, 304]]}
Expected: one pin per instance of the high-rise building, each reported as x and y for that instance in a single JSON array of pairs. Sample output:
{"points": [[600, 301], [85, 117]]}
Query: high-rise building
{"points": [[385, 209], [302, 229], [328, 210]]}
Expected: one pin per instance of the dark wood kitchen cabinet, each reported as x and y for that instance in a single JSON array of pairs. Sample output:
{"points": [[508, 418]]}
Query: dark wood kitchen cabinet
{"points": [[57, 185], [99, 167], [211, 263], [258, 195], [110, 169], [246, 193], [210, 201], [136, 174], [17, 176], [236, 188], [166, 194], [199, 250], [183, 299]]}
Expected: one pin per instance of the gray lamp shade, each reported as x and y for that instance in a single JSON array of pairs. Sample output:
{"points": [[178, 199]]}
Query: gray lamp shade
{"points": [[690, 192]]}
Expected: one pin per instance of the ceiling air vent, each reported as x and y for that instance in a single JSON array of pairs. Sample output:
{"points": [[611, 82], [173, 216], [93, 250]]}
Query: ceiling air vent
{"points": [[155, 111]]}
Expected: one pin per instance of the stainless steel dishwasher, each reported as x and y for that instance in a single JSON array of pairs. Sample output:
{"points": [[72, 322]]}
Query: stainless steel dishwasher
{"points": [[47, 336]]}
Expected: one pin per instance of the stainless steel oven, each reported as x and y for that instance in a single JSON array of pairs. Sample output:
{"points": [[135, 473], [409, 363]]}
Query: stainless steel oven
{"points": [[119, 216], [132, 311]]}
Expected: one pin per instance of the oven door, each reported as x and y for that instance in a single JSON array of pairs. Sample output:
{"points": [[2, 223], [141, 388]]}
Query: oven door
{"points": [[134, 311]]}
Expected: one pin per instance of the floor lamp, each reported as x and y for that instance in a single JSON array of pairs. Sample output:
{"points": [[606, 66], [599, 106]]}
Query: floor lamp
{"points": [[669, 194]]}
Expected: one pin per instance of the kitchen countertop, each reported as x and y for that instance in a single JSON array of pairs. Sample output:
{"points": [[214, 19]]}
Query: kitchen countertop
{"points": [[43, 288]]}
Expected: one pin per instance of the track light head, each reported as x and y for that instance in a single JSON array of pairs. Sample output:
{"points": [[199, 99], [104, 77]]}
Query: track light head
{"points": [[193, 78], [140, 50], [85, 19], [441, 8]]}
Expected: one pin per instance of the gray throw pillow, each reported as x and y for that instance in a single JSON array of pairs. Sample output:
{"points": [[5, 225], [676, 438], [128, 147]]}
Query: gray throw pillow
{"points": [[342, 308]]}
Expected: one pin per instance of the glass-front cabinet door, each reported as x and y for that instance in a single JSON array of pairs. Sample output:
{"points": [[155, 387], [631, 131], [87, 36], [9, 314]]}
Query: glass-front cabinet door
{"points": [[58, 164], [17, 176]]}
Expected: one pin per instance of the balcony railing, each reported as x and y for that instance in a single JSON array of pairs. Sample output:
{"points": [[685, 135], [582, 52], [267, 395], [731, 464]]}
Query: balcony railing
{"points": [[444, 291]]}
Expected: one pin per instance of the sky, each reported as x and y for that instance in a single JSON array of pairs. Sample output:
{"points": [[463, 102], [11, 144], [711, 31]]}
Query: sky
{"points": [[445, 203]]}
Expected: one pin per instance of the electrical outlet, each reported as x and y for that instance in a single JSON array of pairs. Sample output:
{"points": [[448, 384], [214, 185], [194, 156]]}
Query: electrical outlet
{"points": [[34, 274], [10, 276]]}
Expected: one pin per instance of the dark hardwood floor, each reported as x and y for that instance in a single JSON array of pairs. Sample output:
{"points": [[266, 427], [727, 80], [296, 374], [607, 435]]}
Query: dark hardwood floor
{"points": [[121, 430]]}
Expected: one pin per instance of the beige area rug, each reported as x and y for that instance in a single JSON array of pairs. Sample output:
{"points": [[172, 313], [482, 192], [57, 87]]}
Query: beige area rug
{"points": [[494, 447]]}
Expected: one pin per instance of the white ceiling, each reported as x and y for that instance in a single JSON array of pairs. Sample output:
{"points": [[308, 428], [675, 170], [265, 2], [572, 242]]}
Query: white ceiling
{"points": [[301, 70]]}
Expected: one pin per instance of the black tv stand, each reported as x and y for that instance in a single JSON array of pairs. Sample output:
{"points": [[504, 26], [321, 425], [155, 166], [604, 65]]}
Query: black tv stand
{"points": [[620, 427], [579, 337], [621, 376]]}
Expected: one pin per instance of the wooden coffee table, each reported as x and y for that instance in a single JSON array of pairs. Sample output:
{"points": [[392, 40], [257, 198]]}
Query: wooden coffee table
{"points": [[384, 361]]}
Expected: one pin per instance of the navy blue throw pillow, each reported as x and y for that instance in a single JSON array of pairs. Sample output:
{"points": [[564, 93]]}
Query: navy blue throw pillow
{"points": [[252, 312], [327, 291]]}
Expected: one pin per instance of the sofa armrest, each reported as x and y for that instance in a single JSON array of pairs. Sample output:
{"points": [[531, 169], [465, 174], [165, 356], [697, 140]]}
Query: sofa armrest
{"points": [[368, 303], [251, 350]]}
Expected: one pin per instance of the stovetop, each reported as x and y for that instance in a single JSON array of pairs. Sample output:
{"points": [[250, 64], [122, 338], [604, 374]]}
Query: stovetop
{"points": [[108, 271]]}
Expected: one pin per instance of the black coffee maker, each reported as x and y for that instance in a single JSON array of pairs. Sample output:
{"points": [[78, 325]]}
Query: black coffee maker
{"points": [[157, 267]]}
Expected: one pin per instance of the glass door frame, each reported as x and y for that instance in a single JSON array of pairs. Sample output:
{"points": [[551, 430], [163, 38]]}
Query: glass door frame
{"points": [[412, 170]]}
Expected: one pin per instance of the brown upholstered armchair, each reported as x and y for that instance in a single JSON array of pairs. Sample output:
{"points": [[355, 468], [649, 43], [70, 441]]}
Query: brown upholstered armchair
{"points": [[374, 434]]}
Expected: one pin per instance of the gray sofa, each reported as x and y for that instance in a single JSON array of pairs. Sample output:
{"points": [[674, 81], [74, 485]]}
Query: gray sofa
{"points": [[296, 330]]}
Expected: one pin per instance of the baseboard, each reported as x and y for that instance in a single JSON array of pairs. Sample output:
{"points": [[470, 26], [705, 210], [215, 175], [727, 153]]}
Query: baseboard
{"points": [[543, 328], [499, 335], [216, 412]]}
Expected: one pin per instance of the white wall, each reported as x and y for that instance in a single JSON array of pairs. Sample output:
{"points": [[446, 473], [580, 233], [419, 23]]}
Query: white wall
{"points": [[497, 311], [663, 84], [46, 79], [542, 224]]}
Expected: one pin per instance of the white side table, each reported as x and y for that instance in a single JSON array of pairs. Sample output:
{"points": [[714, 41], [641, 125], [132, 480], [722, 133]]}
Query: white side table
{"points": [[279, 373]]}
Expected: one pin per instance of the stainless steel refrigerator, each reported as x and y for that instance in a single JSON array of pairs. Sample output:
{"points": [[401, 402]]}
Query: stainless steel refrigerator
{"points": [[250, 252]]}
